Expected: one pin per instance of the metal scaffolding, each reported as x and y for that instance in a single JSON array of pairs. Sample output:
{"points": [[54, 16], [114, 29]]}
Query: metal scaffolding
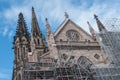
{"points": [[48, 69], [110, 42], [42, 70]]}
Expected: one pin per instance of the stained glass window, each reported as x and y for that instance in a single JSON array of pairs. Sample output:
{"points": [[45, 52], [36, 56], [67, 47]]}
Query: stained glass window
{"points": [[72, 35]]}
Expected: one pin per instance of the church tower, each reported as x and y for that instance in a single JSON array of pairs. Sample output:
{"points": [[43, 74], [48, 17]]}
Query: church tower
{"points": [[21, 47], [38, 44], [36, 36]]}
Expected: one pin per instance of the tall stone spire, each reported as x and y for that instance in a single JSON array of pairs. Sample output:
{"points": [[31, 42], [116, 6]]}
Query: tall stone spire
{"points": [[21, 40], [101, 27], [48, 28], [92, 31], [21, 28], [21, 47], [90, 28], [51, 41], [35, 26], [36, 37]]}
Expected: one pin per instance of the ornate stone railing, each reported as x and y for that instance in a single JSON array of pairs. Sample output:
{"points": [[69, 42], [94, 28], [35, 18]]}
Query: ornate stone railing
{"points": [[81, 43]]}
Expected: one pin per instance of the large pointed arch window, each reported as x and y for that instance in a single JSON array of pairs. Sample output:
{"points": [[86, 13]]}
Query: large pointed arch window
{"points": [[72, 35]]}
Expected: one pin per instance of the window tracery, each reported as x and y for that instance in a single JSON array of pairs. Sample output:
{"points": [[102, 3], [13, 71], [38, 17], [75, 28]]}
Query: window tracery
{"points": [[72, 35]]}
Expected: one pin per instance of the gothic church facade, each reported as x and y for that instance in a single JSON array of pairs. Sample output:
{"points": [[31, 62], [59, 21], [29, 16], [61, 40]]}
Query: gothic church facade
{"points": [[69, 48]]}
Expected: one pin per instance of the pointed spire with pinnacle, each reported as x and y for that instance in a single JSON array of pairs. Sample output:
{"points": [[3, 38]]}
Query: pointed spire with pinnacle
{"points": [[21, 29], [35, 26], [92, 31], [90, 28], [48, 27], [49, 35], [100, 25], [36, 37]]}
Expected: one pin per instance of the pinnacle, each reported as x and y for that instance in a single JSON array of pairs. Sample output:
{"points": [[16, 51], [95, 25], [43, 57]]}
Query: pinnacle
{"points": [[95, 16], [32, 8], [101, 27], [46, 19], [20, 15], [66, 15], [88, 22]]}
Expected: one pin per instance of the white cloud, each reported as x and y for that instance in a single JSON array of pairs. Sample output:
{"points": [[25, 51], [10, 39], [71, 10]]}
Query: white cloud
{"points": [[55, 9], [10, 34], [5, 31], [12, 13], [5, 74]]}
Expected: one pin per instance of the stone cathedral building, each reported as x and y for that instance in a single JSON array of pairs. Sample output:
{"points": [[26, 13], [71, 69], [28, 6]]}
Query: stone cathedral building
{"points": [[69, 53]]}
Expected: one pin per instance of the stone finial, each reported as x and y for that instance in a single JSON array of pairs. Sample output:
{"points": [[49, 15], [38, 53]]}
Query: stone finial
{"points": [[95, 16], [48, 25], [20, 15], [66, 15], [32, 8], [46, 19]]}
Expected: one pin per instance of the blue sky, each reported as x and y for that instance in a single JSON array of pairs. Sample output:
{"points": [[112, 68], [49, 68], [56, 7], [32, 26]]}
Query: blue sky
{"points": [[80, 11]]}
